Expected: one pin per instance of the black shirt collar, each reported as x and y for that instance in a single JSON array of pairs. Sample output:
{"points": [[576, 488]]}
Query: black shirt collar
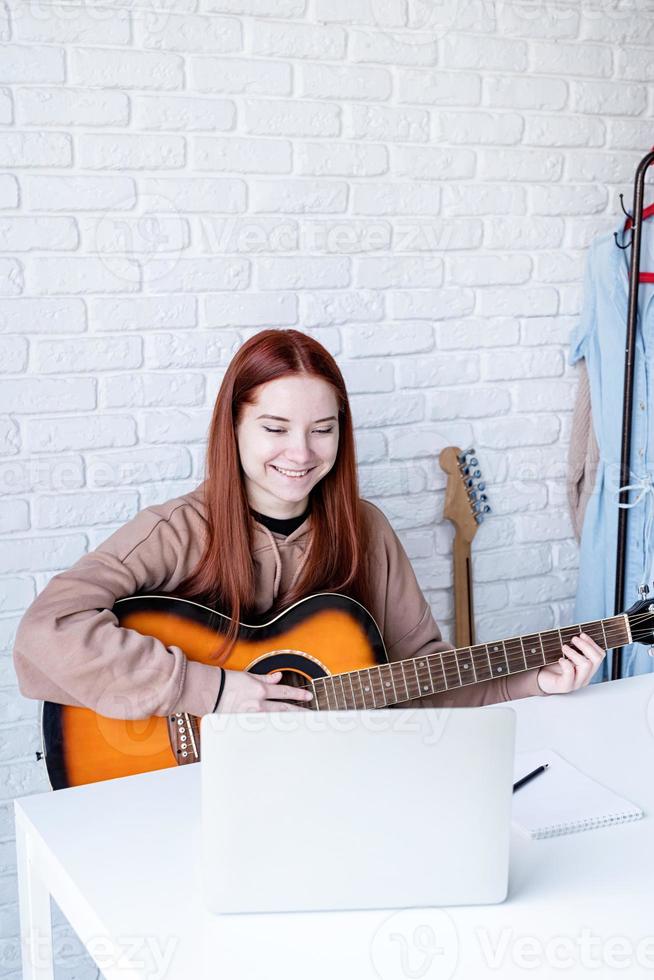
{"points": [[283, 526]]}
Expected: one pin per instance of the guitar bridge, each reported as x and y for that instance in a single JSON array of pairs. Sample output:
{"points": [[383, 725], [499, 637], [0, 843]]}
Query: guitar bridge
{"points": [[184, 735]]}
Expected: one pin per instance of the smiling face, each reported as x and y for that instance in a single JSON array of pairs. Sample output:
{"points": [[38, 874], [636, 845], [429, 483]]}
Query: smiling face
{"points": [[287, 441]]}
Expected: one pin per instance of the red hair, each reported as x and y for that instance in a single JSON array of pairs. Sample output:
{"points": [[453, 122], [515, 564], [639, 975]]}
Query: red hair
{"points": [[336, 561]]}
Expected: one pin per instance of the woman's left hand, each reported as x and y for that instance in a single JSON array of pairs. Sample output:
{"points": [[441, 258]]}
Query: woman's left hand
{"points": [[574, 669]]}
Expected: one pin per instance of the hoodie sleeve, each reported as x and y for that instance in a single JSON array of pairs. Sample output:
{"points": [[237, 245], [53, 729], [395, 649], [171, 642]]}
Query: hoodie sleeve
{"points": [[70, 649], [409, 629]]}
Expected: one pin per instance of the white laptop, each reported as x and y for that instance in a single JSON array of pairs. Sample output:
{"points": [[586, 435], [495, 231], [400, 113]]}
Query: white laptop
{"points": [[360, 809]]}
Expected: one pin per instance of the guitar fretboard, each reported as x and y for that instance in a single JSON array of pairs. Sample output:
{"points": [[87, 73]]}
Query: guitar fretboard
{"points": [[404, 680]]}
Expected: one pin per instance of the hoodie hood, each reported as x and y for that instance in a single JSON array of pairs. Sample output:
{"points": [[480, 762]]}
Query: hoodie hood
{"points": [[278, 561]]}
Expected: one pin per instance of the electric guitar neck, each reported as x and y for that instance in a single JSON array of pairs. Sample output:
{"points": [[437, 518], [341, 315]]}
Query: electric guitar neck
{"points": [[465, 506]]}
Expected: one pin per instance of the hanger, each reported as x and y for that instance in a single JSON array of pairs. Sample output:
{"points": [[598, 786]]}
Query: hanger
{"points": [[647, 213]]}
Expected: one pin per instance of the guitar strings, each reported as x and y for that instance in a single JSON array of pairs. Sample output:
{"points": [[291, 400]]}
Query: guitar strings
{"points": [[611, 631], [450, 672]]}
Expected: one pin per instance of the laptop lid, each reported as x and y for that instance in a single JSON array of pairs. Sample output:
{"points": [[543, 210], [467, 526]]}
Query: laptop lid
{"points": [[357, 809]]}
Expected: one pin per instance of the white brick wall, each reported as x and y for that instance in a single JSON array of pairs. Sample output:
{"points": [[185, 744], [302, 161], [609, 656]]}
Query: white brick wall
{"points": [[415, 183]]}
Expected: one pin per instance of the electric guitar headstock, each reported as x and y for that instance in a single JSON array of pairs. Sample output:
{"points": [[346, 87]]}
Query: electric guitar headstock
{"points": [[466, 504]]}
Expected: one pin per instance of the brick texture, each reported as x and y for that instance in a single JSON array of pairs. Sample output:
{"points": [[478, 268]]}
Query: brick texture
{"points": [[414, 183]]}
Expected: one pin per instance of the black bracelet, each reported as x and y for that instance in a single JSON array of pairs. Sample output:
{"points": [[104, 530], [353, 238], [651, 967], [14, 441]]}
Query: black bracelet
{"points": [[220, 690]]}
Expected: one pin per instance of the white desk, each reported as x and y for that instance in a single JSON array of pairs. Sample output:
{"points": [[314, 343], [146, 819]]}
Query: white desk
{"points": [[119, 858]]}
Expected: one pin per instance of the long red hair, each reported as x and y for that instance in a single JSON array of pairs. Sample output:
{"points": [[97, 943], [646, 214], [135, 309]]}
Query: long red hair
{"points": [[336, 561]]}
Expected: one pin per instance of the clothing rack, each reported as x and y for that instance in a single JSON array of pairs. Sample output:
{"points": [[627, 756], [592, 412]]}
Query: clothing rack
{"points": [[635, 278]]}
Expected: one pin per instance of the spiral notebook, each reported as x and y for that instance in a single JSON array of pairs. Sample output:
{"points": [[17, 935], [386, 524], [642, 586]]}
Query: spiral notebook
{"points": [[563, 800]]}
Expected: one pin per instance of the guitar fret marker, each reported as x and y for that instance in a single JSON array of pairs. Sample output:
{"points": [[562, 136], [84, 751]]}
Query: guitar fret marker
{"points": [[421, 663]]}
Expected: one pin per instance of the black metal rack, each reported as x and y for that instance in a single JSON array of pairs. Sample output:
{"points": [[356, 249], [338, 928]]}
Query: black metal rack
{"points": [[632, 315]]}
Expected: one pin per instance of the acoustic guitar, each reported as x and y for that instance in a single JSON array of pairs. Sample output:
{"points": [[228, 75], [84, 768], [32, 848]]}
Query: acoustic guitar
{"points": [[466, 505], [326, 642]]}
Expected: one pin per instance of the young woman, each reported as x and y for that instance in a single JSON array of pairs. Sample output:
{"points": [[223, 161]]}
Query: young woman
{"points": [[278, 517]]}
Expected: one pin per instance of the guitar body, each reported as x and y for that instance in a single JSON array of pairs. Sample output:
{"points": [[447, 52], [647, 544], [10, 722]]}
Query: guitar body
{"points": [[320, 635]]}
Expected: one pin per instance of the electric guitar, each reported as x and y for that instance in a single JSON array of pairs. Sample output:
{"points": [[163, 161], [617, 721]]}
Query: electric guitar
{"points": [[465, 506], [326, 642]]}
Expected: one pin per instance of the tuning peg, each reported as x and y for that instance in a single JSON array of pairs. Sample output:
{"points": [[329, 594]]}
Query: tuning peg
{"points": [[481, 486], [474, 461], [643, 591], [483, 496], [466, 452], [479, 519], [486, 509]]}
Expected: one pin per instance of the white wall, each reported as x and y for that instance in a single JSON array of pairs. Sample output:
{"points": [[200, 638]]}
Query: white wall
{"points": [[415, 183]]}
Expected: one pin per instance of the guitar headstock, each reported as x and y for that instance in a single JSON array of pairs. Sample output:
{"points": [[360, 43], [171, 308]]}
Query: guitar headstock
{"points": [[465, 500], [641, 620]]}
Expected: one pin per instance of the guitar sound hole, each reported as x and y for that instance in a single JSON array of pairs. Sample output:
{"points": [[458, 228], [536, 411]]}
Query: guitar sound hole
{"points": [[292, 679]]}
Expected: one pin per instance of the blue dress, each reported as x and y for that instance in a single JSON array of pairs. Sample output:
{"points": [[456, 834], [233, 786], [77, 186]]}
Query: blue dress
{"points": [[600, 338]]}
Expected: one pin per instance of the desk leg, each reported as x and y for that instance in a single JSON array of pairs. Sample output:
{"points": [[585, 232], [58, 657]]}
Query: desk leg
{"points": [[34, 906]]}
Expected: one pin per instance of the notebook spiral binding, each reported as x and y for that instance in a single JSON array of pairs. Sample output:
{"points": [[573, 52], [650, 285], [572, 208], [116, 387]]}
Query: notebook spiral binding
{"points": [[554, 830]]}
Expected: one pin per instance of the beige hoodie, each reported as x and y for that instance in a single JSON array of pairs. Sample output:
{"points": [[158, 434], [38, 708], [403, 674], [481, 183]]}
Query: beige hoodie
{"points": [[70, 649]]}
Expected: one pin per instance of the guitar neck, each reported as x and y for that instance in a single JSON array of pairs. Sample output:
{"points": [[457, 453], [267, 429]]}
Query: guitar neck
{"points": [[388, 684], [464, 620]]}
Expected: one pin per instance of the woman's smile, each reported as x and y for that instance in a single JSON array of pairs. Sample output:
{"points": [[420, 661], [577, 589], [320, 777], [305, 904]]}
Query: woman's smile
{"points": [[293, 474]]}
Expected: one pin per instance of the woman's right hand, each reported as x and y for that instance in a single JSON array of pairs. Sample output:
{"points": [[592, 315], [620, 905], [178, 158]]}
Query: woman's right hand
{"points": [[244, 691]]}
